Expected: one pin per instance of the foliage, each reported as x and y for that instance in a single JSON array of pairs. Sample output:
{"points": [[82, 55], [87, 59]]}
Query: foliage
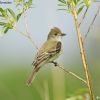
{"points": [[25, 4], [78, 4], [9, 18]]}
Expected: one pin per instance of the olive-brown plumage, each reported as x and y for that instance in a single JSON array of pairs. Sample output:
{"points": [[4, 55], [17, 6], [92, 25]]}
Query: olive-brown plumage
{"points": [[49, 51]]}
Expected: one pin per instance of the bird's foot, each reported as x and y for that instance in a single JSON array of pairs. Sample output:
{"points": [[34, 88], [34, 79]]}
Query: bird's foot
{"points": [[55, 63]]}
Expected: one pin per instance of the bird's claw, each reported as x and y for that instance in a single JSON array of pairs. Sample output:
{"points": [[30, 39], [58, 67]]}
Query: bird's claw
{"points": [[55, 63]]}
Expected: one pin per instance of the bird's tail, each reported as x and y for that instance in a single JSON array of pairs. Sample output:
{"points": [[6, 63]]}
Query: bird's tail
{"points": [[32, 76]]}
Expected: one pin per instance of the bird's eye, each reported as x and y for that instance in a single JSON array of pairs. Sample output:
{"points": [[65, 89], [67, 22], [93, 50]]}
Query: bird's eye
{"points": [[55, 33]]}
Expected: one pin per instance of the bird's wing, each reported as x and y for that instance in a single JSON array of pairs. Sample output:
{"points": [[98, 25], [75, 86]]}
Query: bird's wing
{"points": [[47, 51], [56, 49]]}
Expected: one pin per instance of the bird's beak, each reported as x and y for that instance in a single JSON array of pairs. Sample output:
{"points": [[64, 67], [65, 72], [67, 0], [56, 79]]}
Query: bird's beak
{"points": [[63, 34]]}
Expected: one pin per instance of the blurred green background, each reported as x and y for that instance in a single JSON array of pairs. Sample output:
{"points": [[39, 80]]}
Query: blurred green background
{"points": [[51, 83]]}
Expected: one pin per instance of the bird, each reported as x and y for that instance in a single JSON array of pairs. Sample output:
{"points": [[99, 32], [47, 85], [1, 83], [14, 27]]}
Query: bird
{"points": [[48, 52]]}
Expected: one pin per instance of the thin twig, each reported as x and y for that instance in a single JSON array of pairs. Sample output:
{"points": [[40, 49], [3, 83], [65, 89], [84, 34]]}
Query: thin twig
{"points": [[73, 74], [19, 31], [69, 72], [25, 34], [83, 17], [92, 23], [27, 31], [83, 55]]}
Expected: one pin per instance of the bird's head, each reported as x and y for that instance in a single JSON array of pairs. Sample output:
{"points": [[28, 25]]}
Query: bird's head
{"points": [[56, 34]]}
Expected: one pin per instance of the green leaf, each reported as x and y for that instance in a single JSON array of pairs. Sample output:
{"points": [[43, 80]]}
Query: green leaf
{"points": [[28, 4], [2, 23], [75, 2], [8, 25], [6, 29], [12, 13], [80, 9], [18, 2], [18, 16], [81, 3], [3, 12], [61, 4], [78, 1], [62, 1], [87, 2], [62, 9]]}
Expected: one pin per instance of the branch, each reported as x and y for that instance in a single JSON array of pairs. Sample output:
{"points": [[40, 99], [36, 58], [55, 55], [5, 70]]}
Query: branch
{"points": [[73, 74], [69, 72], [83, 55], [27, 31], [83, 17], [19, 31], [92, 23], [25, 34]]}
